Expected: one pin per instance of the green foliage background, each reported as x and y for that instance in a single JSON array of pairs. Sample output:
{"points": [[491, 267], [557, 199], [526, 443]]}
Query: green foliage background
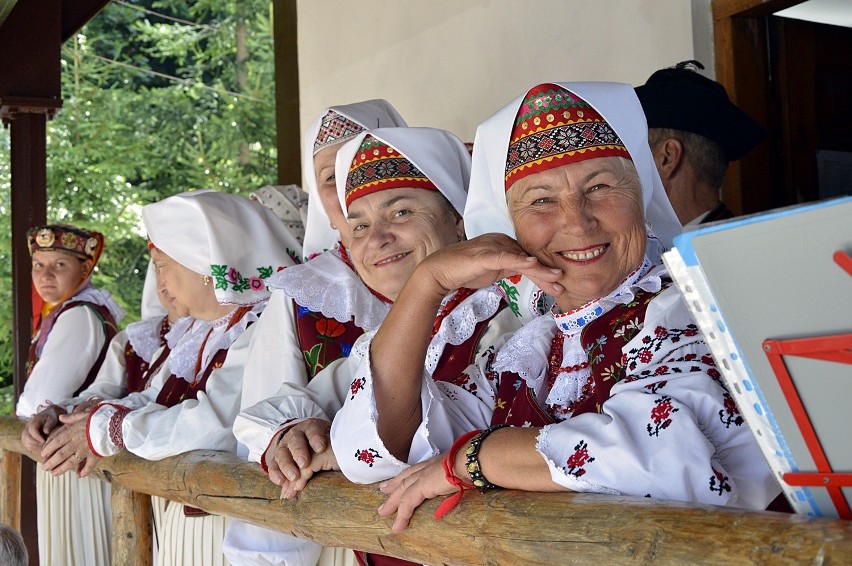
{"points": [[152, 106]]}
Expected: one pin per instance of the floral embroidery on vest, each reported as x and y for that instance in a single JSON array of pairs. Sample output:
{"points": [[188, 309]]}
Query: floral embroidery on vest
{"points": [[323, 340]]}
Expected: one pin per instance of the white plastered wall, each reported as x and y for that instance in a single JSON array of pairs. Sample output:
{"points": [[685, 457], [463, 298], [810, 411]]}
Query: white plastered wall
{"points": [[451, 63]]}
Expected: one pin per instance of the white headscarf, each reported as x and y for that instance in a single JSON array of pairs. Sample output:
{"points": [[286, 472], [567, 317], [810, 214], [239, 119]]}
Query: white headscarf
{"points": [[151, 305], [439, 155], [237, 242], [486, 209], [319, 235]]}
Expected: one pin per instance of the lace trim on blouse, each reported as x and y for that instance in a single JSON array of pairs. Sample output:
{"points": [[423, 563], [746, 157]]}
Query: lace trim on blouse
{"points": [[188, 334], [144, 336], [460, 323], [526, 353], [325, 284]]}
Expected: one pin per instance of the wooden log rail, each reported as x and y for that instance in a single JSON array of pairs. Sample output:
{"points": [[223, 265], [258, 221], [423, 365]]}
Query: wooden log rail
{"points": [[500, 527]]}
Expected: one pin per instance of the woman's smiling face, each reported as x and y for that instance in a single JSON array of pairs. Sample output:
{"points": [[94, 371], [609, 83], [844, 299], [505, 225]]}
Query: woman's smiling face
{"points": [[585, 218], [394, 230]]}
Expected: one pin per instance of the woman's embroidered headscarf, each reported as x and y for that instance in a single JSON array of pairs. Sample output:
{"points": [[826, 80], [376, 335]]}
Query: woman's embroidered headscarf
{"points": [[588, 119], [621, 126], [237, 242], [388, 158], [336, 124]]}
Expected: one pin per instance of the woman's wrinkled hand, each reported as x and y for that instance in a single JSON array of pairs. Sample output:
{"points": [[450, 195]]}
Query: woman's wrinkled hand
{"points": [[39, 427], [300, 451], [483, 260], [68, 448], [323, 461], [412, 487]]}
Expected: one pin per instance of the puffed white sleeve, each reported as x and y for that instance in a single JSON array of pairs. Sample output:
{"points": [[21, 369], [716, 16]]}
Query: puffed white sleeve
{"points": [[256, 426], [70, 351], [154, 432], [111, 381], [449, 408], [669, 429], [274, 355]]}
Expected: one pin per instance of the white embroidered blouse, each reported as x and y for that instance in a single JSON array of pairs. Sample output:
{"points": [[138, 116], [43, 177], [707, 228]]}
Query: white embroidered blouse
{"points": [[668, 430]]}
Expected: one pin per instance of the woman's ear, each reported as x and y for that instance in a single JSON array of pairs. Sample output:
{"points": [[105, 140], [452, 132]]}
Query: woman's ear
{"points": [[87, 269]]}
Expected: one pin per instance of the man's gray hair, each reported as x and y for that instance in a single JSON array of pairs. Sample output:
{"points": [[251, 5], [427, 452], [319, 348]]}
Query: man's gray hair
{"points": [[13, 552], [706, 156]]}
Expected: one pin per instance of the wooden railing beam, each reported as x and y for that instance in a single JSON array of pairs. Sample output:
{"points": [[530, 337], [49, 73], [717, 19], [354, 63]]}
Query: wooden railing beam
{"points": [[500, 527]]}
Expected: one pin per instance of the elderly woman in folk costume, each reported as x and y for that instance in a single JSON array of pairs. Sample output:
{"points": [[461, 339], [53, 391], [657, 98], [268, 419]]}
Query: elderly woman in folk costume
{"points": [[403, 190], [70, 337], [213, 252], [614, 390], [133, 355], [317, 309]]}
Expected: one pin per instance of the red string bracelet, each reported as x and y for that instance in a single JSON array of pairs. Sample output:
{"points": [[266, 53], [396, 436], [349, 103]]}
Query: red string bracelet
{"points": [[449, 503]]}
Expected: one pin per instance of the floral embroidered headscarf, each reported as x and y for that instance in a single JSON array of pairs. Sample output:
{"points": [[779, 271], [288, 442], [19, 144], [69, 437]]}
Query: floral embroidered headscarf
{"points": [[617, 105], [336, 124], [388, 158], [237, 242]]}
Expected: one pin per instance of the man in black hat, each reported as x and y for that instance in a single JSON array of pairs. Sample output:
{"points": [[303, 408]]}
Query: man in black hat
{"points": [[694, 131]]}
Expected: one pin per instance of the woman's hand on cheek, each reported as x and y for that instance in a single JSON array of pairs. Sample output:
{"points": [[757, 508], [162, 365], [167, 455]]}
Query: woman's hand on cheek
{"points": [[486, 259], [412, 487]]}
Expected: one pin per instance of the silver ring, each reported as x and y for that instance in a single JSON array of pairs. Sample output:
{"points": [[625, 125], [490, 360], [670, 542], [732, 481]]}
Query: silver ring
{"points": [[77, 457]]}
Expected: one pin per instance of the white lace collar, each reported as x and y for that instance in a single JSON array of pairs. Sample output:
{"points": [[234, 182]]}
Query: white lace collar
{"points": [[326, 284], [460, 324], [456, 327], [187, 337], [144, 336], [527, 351]]}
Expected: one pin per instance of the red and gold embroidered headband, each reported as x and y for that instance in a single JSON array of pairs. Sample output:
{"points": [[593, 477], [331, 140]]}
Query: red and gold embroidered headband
{"points": [[555, 127], [378, 167], [85, 244], [335, 128]]}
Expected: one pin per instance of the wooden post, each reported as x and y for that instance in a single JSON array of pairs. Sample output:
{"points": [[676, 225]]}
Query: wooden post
{"points": [[132, 520], [288, 132], [10, 489]]}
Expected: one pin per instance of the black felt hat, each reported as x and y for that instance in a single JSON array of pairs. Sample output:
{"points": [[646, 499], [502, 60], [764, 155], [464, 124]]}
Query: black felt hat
{"points": [[681, 99]]}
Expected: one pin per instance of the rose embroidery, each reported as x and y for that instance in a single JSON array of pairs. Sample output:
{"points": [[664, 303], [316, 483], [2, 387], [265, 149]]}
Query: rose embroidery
{"points": [[357, 385], [661, 415], [730, 415], [256, 284], [367, 456], [576, 462], [719, 482]]}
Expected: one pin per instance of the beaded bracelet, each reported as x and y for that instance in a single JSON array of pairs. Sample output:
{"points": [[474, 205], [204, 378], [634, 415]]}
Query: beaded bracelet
{"points": [[472, 453]]}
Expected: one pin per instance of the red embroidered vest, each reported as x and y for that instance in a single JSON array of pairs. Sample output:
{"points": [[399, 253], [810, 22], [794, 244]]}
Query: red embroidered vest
{"points": [[176, 389], [110, 330], [139, 371], [516, 404], [322, 340]]}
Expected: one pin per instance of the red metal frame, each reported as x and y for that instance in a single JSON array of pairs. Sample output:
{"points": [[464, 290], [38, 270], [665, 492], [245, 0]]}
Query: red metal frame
{"points": [[832, 348]]}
